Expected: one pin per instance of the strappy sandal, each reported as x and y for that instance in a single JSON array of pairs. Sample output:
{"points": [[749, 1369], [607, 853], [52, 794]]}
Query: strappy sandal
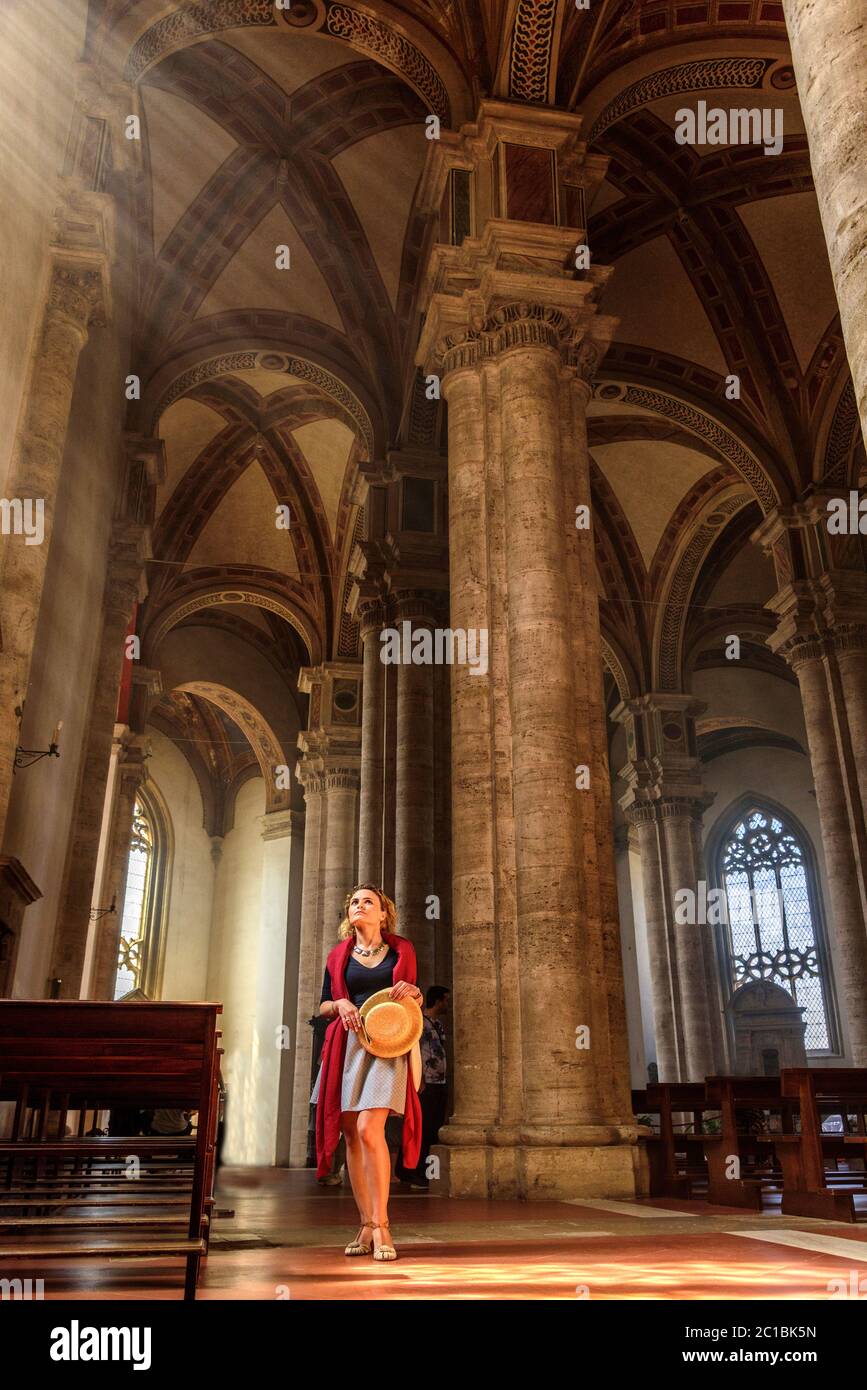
{"points": [[358, 1247], [385, 1252]]}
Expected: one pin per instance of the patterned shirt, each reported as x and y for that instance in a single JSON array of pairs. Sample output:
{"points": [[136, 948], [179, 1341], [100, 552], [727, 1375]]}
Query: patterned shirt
{"points": [[433, 1052]]}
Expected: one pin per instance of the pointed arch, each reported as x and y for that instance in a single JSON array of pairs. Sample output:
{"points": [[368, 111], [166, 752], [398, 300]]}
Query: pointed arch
{"points": [[762, 858]]}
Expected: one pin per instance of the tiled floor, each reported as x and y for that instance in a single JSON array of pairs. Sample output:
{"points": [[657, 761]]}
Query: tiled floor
{"points": [[287, 1235]]}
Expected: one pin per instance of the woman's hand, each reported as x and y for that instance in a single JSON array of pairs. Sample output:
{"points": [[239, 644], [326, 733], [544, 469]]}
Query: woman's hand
{"points": [[404, 990], [349, 1015]]}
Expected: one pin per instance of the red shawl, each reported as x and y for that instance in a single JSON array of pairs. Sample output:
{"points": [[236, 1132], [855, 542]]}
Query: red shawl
{"points": [[334, 1051]]}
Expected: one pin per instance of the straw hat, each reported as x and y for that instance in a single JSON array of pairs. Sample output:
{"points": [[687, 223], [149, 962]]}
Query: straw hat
{"points": [[391, 1028]]}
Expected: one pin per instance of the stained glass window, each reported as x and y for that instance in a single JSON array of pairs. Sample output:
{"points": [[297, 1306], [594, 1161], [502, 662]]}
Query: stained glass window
{"points": [[771, 920], [136, 906]]}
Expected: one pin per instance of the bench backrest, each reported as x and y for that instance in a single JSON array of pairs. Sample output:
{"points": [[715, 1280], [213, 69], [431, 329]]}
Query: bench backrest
{"points": [[109, 1054]]}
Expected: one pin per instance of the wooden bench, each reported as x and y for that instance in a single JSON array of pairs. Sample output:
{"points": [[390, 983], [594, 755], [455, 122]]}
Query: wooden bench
{"points": [[59, 1058], [811, 1187], [757, 1124], [675, 1139]]}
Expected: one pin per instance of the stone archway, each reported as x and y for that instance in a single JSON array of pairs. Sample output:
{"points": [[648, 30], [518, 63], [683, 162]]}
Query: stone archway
{"points": [[263, 740]]}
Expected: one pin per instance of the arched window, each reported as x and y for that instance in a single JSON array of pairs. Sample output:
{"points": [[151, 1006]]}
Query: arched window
{"points": [[774, 930], [144, 905]]}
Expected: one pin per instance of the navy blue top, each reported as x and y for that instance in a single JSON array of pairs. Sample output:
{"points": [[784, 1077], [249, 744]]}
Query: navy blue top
{"points": [[362, 980]]}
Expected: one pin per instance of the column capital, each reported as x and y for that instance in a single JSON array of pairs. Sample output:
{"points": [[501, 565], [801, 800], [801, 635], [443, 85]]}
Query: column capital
{"points": [[331, 744], [368, 565], [625, 837], [147, 687], [511, 190], [334, 715], [132, 763], [663, 774], [820, 569], [419, 606], [505, 289], [83, 248]]}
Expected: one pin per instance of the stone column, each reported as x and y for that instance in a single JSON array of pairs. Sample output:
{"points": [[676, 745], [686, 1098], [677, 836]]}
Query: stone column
{"points": [[666, 800], [638, 1007], [331, 796], [309, 974], [370, 616], [414, 801], [829, 53], [124, 585], [328, 770], [276, 983], [503, 325], [78, 296], [389, 776], [544, 752], [131, 772], [600, 904], [341, 789], [476, 1013], [844, 868], [699, 999], [821, 607], [850, 653], [665, 994], [296, 1025]]}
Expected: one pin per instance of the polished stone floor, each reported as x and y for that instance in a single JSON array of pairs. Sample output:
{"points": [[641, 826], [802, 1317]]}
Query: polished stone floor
{"points": [[286, 1239]]}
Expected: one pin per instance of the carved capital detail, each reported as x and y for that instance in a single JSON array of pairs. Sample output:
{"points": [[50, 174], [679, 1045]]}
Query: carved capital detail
{"points": [[460, 350], [683, 807], [342, 779], [584, 358], [370, 616], [419, 605], [849, 637], [76, 295], [524, 325]]}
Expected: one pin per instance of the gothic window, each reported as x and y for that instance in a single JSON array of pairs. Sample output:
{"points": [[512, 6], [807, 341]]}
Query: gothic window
{"points": [[773, 920], [140, 905]]}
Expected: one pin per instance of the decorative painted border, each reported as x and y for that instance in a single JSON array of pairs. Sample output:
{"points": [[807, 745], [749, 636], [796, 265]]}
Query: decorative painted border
{"points": [[177, 611], [845, 423], [701, 76], [676, 597], [193, 22], [357, 417], [721, 439], [342, 22], [530, 58], [392, 49]]}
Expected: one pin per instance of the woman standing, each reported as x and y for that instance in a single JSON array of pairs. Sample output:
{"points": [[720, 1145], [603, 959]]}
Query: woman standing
{"points": [[355, 1092]]}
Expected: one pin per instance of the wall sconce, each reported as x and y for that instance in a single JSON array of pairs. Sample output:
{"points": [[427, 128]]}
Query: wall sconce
{"points": [[97, 912], [25, 757]]}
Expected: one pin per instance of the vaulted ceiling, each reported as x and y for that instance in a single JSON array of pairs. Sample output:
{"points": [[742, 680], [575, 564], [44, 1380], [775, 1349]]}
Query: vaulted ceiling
{"points": [[301, 134]]}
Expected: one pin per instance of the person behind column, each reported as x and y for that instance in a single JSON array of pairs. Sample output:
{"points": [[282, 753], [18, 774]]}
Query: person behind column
{"points": [[432, 1092], [355, 1091]]}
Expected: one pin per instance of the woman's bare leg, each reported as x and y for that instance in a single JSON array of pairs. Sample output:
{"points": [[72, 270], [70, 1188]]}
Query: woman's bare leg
{"points": [[377, 1166], [355, 1168]]}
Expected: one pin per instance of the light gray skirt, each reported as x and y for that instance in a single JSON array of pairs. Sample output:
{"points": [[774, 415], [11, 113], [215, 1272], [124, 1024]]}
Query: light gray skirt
{"points": [[369, 1082]]}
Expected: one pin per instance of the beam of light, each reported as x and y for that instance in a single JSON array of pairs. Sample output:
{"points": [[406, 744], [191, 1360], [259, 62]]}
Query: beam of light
{"points": [[688, 1279]]}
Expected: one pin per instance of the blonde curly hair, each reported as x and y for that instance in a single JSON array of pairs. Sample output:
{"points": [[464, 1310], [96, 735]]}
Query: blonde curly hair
{"points": [[385, 902]]}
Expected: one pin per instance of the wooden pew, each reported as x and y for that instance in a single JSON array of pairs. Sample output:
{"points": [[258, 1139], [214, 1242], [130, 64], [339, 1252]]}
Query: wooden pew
{"points": [[758, 1150], [668, 1176], [63, 1056], [818, 1092]]}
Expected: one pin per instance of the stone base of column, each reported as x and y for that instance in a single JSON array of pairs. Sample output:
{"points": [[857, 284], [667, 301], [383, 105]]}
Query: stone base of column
{"points": [[543, 1173]]}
